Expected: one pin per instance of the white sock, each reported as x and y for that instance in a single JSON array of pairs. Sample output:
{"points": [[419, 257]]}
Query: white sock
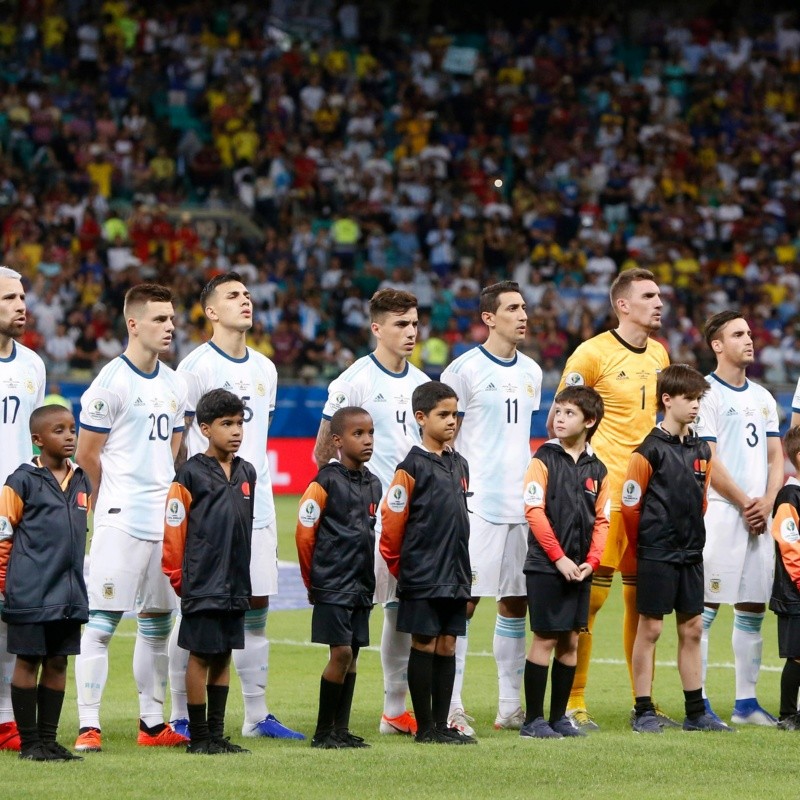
{"points": [[709, 615], [395, 648], [747, 643], [178, 660], [509, 653], [252, 665], [461, 663], [91, 666], [151, 666], [7, 661]]}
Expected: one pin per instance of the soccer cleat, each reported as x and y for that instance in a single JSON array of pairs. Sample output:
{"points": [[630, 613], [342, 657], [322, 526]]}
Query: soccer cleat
{"points": [[270, 728], [446, 736], [201, 748], [665, 720], [180, 726], [581, 718], [647, 723], [513, 722], [749, 712], [710, 711], [89, 741], [327, 741], [38, 752], [538, 728], [405, 724], [224, 746], [166, 737], [567, 728], [790, 723], [459, 736], [60, 752], [9, 736], [350, 740], [460, 720], [705, 722]]}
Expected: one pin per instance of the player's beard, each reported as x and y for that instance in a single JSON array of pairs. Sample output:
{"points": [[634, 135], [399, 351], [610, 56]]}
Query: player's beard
{"points": [[10, 329]]}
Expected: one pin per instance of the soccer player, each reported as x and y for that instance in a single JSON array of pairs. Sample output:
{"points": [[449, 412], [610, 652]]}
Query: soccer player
{"points": [[382, 384], [498, 389], [739, 419], [22, 385], [225, 362], [622, 365], [131, 428]]}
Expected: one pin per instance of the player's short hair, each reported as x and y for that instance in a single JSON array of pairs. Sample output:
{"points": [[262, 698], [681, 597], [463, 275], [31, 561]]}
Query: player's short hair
{"points": [[490, 295], [428, 395], [792, 444], [342, 417], [680, 379], [589, 402], [390, 301], [41, 415], [216, 281], [7, 272], [218, 403], [622, 283], [137, 297], [714, 325]]}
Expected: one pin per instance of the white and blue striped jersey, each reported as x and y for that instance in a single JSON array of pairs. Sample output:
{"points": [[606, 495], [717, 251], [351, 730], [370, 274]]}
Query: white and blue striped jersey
{"points": [[739, 420], [22, 384], [387, 397], [139, 411], [254, 379], [496, 400]]}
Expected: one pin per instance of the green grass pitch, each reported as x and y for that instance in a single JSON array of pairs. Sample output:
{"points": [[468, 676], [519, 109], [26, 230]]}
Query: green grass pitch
{"points": [[614, 763]]}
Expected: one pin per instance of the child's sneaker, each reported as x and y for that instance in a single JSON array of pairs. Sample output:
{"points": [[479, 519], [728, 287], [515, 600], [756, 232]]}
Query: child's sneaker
{"points": [[566, 728], [582, 719], [404, 724], [749, 712], [224, 746], [460, 720], [38, 752], [538, 728], [458, 736], [271, 728], [9, 736], [61, 752], [166, 737], [647, 723], [89, 741], [513, 722], [328, 741], [705, 722], [790, 723], [665, 720], [350, 740]]}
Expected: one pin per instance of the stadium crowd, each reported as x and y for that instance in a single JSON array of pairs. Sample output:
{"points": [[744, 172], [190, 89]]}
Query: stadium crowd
{"points": [[556, 153]]}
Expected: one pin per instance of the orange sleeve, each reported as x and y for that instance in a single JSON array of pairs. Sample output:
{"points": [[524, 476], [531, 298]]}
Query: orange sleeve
{"points": [[786, 533], [633, 488], [176, 523], [11, 507], [602, 509], [312, 507], [535, 492], [394, 515], [705, 487]]}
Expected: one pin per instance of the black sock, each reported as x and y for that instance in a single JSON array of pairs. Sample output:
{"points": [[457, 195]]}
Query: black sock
{"points": [[444, 676], [23, 701], [790, 685], [420, 686], [330, 694], [198, 724], [535, 686], [342, 715], [217, 700], [561, 677], [49, 702], [643, 703], [693, 703]]}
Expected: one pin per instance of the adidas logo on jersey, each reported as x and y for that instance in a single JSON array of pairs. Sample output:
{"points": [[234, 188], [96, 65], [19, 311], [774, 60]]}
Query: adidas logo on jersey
{"points": [[731, 412], [139, 402], [379, 398], [622, 376], [227, 386], [491, 388]]}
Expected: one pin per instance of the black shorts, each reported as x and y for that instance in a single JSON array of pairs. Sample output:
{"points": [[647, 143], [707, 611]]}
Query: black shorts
{"points": [[662, 588], [61, 638], [788, 636], [556, 605], [340, 625], [432, 616], [212, 632]]}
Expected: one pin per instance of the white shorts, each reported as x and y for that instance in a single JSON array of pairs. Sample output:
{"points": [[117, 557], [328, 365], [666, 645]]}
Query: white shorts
{"points": [[125, 574], [737, 566], [497, 555], [385, 582], [264, 561]]}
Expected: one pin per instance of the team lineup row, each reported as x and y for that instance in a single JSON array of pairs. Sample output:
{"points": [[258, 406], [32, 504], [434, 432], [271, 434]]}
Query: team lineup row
{"points": [[138, 422]]}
